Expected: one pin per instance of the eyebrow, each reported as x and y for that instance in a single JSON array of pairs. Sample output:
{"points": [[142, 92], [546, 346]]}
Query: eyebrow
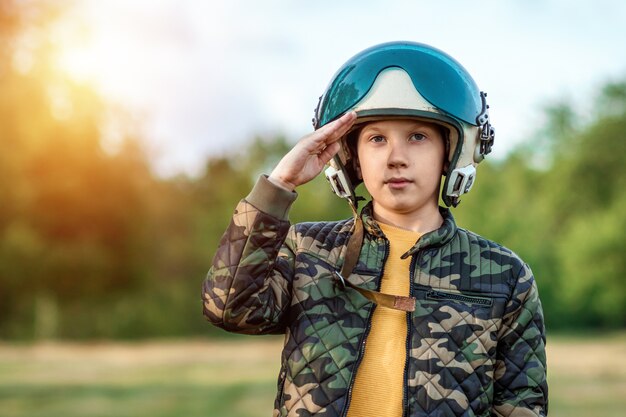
{"points": [[424, 125], [369, 129], [414, 126]]}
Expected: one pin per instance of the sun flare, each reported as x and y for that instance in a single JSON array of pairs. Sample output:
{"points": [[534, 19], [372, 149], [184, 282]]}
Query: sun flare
{"points": [[89, 52]]}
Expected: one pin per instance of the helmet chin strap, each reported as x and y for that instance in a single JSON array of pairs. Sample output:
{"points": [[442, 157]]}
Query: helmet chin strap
{"points": [[351, 258]]}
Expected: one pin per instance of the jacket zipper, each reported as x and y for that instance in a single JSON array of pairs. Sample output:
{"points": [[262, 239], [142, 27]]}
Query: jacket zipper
{"points": [[283, 380], [442, 295], [405, 389], [359, 359], [365, 334]]}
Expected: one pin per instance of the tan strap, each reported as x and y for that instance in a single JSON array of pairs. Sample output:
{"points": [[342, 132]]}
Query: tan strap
{"points": [[353, 251]]}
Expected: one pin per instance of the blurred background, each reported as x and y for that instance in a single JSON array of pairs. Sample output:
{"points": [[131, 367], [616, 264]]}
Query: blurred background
{"points": [[130, 129]]}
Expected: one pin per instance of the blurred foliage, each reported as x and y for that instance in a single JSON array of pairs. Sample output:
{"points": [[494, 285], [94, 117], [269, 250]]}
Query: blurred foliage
{"points": [[94, 245], [567, 217]]}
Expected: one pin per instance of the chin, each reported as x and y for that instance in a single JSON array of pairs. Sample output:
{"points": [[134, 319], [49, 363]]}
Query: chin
{"points": [[408, 205], [403, 207]]}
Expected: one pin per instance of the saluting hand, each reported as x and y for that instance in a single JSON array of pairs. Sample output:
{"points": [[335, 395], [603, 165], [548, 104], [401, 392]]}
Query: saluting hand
{"points": [[308, 157]]}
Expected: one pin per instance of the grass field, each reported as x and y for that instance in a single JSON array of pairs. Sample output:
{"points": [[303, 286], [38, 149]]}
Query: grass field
{"points": [[229, 378]]}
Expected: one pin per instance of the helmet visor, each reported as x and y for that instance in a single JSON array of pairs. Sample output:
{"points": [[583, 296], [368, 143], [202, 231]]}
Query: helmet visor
{"points": [[440, 79]]}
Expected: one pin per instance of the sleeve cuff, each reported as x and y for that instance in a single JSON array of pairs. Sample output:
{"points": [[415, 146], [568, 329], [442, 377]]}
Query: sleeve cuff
{"points": [[271, 199]]}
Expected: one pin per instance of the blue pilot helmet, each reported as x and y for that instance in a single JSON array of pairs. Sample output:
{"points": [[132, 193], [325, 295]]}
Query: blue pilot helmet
{"points": [[409, 80]]}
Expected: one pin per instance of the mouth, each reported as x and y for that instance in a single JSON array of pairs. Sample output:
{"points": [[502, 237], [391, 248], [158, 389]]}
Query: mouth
{"points": [[397, 183]]}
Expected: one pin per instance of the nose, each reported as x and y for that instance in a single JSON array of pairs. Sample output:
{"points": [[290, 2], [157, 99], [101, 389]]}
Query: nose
{"points": [[397, 157]]}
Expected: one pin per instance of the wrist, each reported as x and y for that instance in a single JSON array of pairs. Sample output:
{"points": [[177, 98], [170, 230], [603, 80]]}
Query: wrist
{"points": [[281, 183], [270, 198]]}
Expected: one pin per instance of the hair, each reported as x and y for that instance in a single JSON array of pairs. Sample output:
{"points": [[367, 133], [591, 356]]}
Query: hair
{"points": [[352, 140]]}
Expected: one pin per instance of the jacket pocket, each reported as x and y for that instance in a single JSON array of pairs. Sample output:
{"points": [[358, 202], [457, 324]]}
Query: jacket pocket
{"points": [[453, 345], [460, 297], [448, 307]]}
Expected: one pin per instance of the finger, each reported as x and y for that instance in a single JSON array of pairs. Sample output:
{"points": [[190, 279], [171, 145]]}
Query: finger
{"points": [[345, 124], [316, 141], [337, 128], [330, 151]]}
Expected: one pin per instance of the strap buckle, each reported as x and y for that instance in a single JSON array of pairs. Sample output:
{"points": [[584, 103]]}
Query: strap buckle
{"points": [[341, 280], [353, 249], [396, 302], [487, 132]]}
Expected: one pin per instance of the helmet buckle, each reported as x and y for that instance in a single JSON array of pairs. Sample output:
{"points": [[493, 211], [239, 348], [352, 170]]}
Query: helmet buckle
{"points": [[338, 182], [487, 132]]}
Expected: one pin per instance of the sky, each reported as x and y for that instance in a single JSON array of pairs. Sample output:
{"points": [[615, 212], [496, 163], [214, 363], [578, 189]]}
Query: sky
{"points": [[205, 77]]}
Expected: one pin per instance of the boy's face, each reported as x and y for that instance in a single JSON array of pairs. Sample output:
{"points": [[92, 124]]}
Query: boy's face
{"points": [[401, 162]]}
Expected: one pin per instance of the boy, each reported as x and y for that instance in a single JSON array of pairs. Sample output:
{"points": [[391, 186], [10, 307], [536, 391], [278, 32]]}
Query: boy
{"points": [[396, 312]]}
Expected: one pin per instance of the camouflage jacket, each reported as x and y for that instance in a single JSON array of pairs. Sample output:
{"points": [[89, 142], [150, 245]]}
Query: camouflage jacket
{"points": [[475, 344]]}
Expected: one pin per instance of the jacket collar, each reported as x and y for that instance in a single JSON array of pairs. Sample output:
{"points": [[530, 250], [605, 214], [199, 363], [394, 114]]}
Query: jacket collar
{"points": [[438, 237]]}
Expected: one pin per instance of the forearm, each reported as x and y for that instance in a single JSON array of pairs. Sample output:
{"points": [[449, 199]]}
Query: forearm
{"points": [[247, 287], [520, 375]]}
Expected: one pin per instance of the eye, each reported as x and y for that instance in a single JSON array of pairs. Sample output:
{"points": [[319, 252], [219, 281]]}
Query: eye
{"points": [[417, 137], [377, 139]]}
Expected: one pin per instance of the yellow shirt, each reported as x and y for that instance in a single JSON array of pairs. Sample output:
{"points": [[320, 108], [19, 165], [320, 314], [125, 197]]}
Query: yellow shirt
{"points": [[379, 385]]}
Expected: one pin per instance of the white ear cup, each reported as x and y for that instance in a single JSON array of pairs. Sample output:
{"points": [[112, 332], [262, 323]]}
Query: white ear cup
{"points": [[338, 182], [461, 181]]}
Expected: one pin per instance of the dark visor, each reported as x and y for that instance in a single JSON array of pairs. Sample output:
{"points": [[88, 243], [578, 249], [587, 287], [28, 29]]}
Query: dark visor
{"points": [[439, 78]]}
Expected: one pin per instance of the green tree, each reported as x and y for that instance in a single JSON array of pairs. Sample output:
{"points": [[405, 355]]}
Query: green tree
{"points": [[564, 215], [73, 216]]}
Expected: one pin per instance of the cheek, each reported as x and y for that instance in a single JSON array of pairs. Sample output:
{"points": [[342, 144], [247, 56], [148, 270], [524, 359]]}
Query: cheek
{"points": [[438, 162], [436, 154], [428, 164], [366, 175], [369, 167]]}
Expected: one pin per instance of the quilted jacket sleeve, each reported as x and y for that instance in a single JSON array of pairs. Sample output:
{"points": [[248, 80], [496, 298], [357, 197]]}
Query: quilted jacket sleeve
{"points": [[247, 288], [520, 375]]}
